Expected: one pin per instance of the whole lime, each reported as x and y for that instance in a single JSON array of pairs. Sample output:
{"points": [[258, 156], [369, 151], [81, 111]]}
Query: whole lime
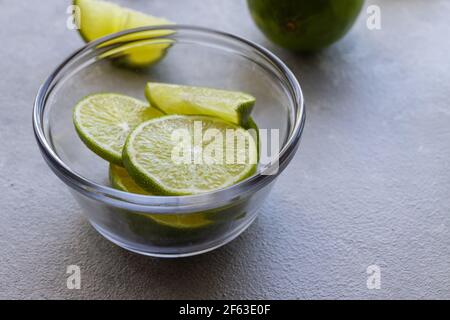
{"points": [[304, 25]]}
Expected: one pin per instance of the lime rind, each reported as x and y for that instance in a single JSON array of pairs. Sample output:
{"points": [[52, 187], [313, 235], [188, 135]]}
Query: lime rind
{"points": [[142, 179], [98, 149]]}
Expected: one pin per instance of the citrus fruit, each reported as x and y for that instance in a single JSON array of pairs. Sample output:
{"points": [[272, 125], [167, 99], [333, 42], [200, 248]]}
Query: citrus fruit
{"points": [[230, 106], [121, 180], [103, 122], [101, 18], [150, 160], [139, 54], [304, 25]]}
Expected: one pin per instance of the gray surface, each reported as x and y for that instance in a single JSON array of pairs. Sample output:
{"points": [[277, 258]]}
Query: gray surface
{"points": [[370, 184]]}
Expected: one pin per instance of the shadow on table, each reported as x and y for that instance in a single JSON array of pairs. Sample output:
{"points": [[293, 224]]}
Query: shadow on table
{"points": [[127, 275]]}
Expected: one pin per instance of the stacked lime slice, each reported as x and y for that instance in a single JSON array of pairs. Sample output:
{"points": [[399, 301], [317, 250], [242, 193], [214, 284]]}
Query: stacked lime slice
{"points": [[138, 140], [130, 133]]}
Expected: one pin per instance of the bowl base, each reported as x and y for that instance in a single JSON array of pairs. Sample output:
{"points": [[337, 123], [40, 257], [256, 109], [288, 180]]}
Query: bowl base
{"points": [[176, 254]]}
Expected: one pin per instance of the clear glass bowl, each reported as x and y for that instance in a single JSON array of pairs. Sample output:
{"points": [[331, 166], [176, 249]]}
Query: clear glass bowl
{"points": [[195, 56]]}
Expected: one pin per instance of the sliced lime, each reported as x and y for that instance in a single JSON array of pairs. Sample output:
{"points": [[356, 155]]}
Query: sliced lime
{"points": [[150, 155], [103, 122], [182, 221], [231, 106], [120, 179]]}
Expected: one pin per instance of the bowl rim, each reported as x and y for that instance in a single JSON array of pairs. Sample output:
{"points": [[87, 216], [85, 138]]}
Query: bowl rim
{"points": [[125, 199]]}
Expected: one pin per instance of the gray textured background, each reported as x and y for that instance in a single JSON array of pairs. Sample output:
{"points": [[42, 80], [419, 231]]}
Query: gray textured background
{"points": [[370, 184]]}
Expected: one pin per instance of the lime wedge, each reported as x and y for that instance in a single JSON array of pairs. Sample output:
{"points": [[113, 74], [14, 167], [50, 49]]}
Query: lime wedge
{"points": [[121, 180], [139, 54], [103, 122], [149, 152], [231, 106], [100, 18]]}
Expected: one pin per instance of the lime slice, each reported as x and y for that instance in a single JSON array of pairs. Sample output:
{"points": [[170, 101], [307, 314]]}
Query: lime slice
{"points": [[150, 155], [187, 221], [103, 122], [120, 179], [231, 106], [101, 18]]}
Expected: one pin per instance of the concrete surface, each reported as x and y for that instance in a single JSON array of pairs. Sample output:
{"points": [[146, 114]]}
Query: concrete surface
{"points": [[369, 186]]}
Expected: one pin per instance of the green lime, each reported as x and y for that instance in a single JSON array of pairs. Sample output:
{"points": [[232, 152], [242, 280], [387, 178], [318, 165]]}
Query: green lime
{"points": [[161, 157], [231, 106], [101, 18], [104, 121], [120, 179], [304, 25]]}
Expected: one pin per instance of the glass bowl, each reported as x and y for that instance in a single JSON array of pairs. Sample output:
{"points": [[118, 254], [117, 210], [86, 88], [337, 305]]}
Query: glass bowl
{"points": [[192, 56]]}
